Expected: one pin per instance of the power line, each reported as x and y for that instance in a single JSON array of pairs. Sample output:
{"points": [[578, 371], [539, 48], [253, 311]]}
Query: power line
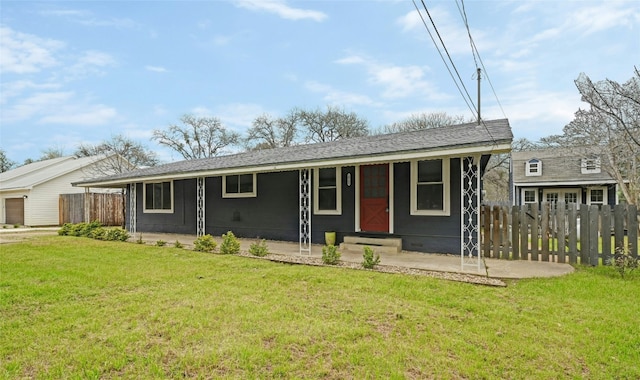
{"points": [[442, 57]]}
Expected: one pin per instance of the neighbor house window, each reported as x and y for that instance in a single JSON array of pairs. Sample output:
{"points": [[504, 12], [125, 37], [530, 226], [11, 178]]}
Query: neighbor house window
{"points": [[158, 197], [327, 192], [533, 167], [530, 196], [239, 186], [430, 187], [551, 197], [590, 165], [597, 196]]}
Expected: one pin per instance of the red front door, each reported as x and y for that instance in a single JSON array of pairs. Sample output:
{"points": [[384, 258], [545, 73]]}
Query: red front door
{"points": [[374, 198]]}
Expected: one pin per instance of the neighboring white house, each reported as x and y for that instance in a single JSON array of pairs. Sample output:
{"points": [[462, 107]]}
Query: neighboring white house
{"points": [[29, 195]]}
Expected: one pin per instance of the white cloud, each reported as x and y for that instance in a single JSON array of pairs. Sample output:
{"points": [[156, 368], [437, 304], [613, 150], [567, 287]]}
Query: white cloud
{"points": [[280, 8], [337, 97], [88, 19], [25, 53], [156, 69], [62, 107], [396, 81]]}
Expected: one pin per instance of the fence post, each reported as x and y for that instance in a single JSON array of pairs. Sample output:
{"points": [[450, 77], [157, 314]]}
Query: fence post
{"points": [[605, 218], [506, 247], [515, 232], [618, 227], [561, 231], [573, 233], [524, 233], [486, 229], [545, 231], [496, 233], [584, 235], [593, 234], [632, 229], [535, 227]]}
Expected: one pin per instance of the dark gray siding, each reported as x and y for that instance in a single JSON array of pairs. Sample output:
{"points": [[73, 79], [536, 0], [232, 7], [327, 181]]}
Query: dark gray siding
{"points": [[183, 218], [273, 214], [342, 224], [433, 234]]}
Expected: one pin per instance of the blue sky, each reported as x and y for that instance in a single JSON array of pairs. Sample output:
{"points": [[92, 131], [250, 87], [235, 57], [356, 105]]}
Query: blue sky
{"points": [[81, 72]]}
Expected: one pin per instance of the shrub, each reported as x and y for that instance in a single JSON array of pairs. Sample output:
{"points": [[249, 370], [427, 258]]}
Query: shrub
{"points": [[330, 254], [98, 233], [259, 248], [16, 226], [161, 243], [205, 243], [177, 244], [116, 234], [623, 262], [65, 230], [230, 244], [370, 259]]}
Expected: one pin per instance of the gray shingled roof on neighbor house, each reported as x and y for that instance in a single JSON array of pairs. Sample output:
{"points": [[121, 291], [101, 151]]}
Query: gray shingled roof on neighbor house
{"points": [[490, 136], [559, 165]]}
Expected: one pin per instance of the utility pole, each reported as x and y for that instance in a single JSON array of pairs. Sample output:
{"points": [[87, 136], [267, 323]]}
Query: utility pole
{"points": [[479, 119]]}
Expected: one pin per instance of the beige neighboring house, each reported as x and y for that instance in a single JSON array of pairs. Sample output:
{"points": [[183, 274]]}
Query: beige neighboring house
{"points": [[29, 194]]}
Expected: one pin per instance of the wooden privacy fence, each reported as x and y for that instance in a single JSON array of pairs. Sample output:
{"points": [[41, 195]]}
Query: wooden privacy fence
{"points": [[563, 233], [87, 207]]}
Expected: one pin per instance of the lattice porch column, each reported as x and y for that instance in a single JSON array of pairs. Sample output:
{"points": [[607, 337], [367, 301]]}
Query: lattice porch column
{"points": [[470, 218], [132, 209], [305, 211], [200, 209]]}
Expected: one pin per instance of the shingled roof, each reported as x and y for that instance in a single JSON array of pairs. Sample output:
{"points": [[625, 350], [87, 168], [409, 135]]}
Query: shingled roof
{"points": [[490, 136]]}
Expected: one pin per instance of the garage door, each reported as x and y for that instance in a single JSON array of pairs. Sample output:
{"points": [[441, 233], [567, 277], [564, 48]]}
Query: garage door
{"points": [[15, 210]]}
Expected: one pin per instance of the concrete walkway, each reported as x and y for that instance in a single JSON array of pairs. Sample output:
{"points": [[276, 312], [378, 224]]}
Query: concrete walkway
{"points": [[503, 269]]}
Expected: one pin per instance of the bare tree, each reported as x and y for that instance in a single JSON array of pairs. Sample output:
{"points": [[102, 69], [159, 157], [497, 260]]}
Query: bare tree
{"points": [[610, 128], [419, 121], [332, 124], [121, 155], [268, 132], [5, 163], [197, 137]]}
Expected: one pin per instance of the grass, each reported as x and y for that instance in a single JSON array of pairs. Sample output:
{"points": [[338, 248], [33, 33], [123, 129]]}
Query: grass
{"points": [[80, 308]]}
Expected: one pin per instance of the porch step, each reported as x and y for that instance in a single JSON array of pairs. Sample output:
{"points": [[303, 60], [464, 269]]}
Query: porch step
{"points": [[379, 245]]}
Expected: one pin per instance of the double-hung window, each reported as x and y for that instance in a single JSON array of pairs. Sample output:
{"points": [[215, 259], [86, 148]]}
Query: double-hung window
{"points": [[533, 168], [239, 186], [327, 191], [158, 197], [597, 196], [430, 187]]}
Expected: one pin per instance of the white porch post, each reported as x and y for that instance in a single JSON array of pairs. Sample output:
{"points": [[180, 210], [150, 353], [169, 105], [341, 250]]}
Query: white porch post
{"points": [[305, 210], [470, 212], [132, 209], [200, 206]]}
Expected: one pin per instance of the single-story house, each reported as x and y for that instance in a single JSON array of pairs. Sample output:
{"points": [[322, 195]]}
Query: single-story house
{"points": [[558, 174], [422, 187], [29, 194]]}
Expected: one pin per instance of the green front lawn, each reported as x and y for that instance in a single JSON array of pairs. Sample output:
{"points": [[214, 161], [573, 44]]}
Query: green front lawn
{"points": [[80, 308]]}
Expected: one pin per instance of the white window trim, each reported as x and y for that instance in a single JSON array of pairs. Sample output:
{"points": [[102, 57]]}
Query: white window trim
{"points": [[527, 168], [605, 195], [584, 166], [144, 199], [522, 195], [446, 201], [251, 194], [316, 187], [561, 192]]}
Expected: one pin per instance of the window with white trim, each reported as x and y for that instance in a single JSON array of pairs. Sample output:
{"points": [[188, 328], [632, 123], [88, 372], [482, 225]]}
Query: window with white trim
{"points": [[239, 186], [158, 197], [430, 187], [530, 196], [551, 197], [597, 196], [590, 165], [327, 191], [567, 195], [533, 168]]}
